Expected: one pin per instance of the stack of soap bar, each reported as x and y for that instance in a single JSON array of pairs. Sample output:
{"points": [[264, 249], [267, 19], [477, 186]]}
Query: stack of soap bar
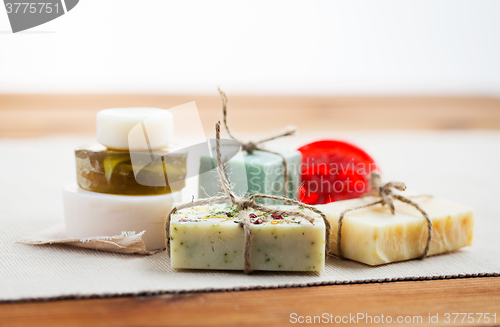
{"points": [[374, 236], [264, 174], [211, 238], [123, 181], [89, 214], [102, 170]]}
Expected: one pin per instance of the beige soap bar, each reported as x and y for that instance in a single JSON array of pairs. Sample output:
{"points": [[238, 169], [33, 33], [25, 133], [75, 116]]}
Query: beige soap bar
{"points": [[374, 236]]}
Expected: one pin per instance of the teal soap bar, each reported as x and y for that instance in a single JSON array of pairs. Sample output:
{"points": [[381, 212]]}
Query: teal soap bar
{"points": [[264, 175]]}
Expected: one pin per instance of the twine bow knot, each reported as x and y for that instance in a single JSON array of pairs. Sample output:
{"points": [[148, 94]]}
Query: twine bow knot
{"points": [[251, 146], [384, 191], [387, 197], [245, 203]]}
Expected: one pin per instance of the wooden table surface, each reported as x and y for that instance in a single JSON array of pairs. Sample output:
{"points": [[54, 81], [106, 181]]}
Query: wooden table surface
{"points": [[24, 116]]}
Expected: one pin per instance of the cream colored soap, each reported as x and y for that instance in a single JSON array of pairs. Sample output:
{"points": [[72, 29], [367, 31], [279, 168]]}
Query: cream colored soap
{"points": [[90, 214], [211, 238], [135, 129], [374, 236]]}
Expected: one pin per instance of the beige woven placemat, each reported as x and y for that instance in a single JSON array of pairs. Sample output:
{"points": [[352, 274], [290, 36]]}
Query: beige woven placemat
{"points": [[460, 166]]}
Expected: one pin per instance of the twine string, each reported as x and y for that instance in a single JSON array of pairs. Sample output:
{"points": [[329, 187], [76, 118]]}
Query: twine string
{"points": [[385, 192], [245, 203], [251, 146]]}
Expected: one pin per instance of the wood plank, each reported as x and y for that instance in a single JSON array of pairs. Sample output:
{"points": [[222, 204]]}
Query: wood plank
{"points": [[37, 115], [273, 307]]}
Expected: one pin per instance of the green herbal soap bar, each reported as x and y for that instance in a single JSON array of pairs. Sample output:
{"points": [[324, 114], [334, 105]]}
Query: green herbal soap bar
{"points": [[102, 170], [212, 238], [264, 174]]}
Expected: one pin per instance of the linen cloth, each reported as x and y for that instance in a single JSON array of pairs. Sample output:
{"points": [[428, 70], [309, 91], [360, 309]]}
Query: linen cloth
{"points": [[461, 166]]}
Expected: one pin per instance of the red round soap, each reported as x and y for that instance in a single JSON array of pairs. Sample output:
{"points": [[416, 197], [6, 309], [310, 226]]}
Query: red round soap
{"points": [[334, 170]]}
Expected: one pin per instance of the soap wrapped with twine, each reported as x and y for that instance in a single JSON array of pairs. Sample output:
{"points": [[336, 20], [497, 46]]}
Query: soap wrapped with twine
{"points": [[387, 197], [244, 203], [250, 146]]}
